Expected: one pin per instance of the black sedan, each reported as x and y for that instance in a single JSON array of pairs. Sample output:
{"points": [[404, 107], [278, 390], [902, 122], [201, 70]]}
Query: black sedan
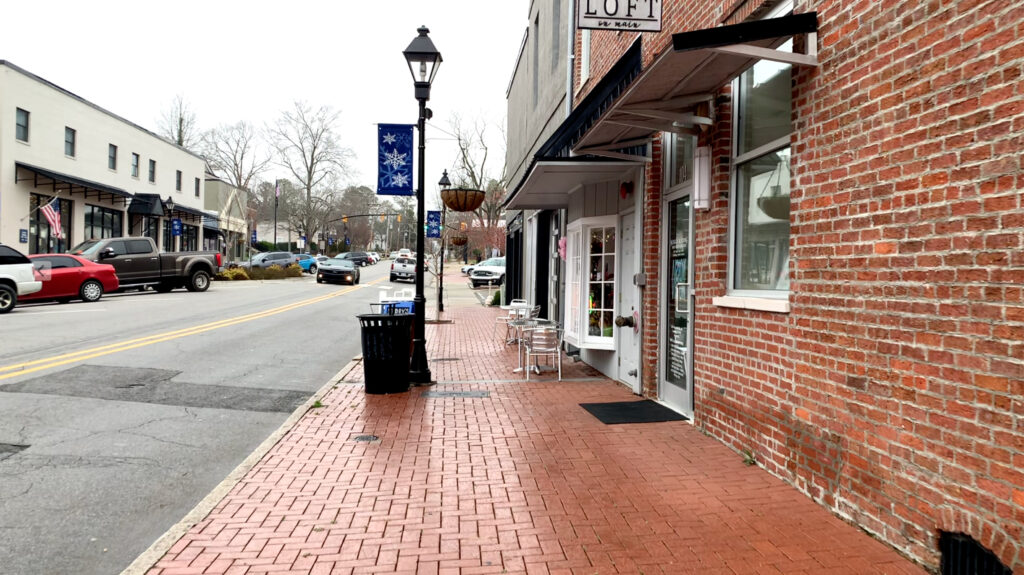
{"points": [[337, 270]]}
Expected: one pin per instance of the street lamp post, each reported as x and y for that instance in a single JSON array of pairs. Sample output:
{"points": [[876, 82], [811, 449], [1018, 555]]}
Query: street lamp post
{"points": [[424, 60], [444, 183]]}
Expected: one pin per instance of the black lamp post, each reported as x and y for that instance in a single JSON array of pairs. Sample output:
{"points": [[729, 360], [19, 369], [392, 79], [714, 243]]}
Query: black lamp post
{"points": [[444, 184], [424, 60]]}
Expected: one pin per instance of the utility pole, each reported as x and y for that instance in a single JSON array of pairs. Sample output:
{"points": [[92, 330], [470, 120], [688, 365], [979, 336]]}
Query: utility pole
{"points": [[277, 194]]}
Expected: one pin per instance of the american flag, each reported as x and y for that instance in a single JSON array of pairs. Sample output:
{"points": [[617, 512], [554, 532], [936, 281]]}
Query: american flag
{"points": [[52, 213]]}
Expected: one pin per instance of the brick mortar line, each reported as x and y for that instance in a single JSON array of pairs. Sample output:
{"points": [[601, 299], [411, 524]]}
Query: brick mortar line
{"points": [[148, 558]]}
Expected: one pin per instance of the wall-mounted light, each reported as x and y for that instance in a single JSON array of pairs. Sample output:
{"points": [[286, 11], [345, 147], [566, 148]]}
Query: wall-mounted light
{"points": [[702, 178]]}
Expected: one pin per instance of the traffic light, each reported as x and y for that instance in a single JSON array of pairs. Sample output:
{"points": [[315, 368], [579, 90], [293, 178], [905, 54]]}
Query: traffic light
{"points": [[462, 226], [344, 219], [399, 218]]}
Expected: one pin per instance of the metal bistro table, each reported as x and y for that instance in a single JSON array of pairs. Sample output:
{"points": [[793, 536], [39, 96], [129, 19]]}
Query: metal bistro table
{"points": [[518, 310], [520, 325]]}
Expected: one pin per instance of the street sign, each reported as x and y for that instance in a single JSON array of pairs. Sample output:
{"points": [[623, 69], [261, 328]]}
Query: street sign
{"points": [[433, 224], [347, 241], [23, 236], [330, 241], [254, 236], [176, 227]]}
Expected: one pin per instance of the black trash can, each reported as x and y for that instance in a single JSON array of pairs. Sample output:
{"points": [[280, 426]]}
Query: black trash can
{"points": [[387, 343]]}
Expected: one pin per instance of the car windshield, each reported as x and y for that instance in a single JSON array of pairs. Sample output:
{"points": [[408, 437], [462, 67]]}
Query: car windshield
{"points": [[339, 263], [499, 262], [86, 248]]}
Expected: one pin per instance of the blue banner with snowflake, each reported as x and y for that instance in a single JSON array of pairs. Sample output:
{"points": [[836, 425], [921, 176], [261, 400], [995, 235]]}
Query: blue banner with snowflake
{"points": [[394, 159]]}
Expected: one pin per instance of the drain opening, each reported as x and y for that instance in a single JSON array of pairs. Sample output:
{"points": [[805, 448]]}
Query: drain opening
{"points": [[962, 555], [9, 449]]}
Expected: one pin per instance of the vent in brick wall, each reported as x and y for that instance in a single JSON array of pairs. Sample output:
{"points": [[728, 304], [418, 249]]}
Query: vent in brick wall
{"points": [[962, 555]]}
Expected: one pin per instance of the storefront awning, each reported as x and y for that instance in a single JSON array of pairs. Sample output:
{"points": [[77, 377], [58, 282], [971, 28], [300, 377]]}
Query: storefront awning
{"points": [[193, 213], [674, 93], [549, 182], [146, 205], [41, 177]]}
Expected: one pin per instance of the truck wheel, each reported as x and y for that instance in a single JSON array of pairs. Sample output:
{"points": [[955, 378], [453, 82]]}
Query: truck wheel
{"points": [[319, 281], [198, 281], [312, 270], [91, 290], [8, 298], [394, 278]]}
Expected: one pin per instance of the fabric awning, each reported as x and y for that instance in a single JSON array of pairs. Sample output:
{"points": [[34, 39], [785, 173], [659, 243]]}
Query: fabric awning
{"points": [[192, 212], [549, 182], [674, 93], [61, 182], [146, 205]]}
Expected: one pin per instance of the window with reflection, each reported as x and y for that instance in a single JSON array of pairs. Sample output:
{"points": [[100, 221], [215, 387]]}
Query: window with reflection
{"points": [[760, 234]]}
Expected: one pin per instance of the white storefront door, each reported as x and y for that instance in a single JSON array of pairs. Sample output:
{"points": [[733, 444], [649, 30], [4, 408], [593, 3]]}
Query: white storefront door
{"points": [[627, 308]]}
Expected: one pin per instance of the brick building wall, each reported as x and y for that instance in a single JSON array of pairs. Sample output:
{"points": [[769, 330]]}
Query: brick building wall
{"points": [[893, 392]]}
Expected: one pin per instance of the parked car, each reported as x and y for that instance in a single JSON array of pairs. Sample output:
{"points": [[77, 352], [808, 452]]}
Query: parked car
{"points": [[338, 270], [357, 258], [267, 259], [308, 262], [139, 263], [403, 268], [393, 255], [67, 277], [490, 271], [17, 278], [372, 259]]}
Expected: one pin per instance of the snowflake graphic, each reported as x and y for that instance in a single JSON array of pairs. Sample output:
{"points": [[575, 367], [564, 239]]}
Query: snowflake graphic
{"points": [[394, 160], [389, 138], [400, 180]]}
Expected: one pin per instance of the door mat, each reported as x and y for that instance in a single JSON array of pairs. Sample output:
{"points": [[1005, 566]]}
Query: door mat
{"points": [[645, 411]]}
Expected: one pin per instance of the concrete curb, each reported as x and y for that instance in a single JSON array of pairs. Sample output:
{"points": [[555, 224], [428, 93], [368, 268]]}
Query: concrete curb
{"points": [[159, 548]]}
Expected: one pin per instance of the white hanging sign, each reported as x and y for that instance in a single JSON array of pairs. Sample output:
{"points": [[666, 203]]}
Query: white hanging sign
{"points": [[637, 15]]}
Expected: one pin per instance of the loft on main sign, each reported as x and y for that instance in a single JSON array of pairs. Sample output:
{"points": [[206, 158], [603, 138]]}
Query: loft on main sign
{"points": [[638, 15]]}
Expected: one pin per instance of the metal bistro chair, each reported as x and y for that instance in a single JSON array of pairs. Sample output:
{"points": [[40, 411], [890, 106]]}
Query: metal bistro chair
{"points": [[543, 341], [504, 319]]}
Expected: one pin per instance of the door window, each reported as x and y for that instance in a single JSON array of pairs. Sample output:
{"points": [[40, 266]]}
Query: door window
{"points": [[678, 308]]}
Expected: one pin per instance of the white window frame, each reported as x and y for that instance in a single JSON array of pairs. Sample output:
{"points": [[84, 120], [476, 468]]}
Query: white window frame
{"points": [[577, 284], [764, 300]]}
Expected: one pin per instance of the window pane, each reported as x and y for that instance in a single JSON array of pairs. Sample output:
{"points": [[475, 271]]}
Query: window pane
{"points": [[609, 240], [597, 241], [609, 268], [607, 324], [762, 223], [681, 160], [609, 296], [21, 120], [595, 268], [765, 103], [594, 323], [595, 296]]}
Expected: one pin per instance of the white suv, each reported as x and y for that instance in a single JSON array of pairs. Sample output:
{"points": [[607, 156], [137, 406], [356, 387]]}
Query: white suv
{"points": [[491, 271], [17, 277]]}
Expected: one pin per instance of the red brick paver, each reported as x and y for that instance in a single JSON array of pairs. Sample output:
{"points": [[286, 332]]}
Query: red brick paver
{"points": [[521, 481]]}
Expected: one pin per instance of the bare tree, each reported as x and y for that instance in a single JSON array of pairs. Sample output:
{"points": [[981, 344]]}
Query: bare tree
{"points": [[178, 124], [233, 152], [472, 171], [307, 146]]}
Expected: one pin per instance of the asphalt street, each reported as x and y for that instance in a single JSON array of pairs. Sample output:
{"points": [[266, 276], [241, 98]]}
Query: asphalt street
{"points": [[117, 417]]}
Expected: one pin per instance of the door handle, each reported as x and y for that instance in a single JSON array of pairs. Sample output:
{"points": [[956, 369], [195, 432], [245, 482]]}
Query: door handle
{"points": [[625, 321]]}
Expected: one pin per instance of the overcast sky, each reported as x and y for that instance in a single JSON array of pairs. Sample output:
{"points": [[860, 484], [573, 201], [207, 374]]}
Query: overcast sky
{"points": [[250, 60]]}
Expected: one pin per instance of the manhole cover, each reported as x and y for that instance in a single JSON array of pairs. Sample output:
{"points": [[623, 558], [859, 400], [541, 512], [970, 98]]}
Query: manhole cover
{"points": [[366, 438], [457, 394], [446, 359], [9, 449]]}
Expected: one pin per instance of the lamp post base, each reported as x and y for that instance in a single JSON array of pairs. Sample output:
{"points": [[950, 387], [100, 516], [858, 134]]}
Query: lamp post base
{"points": [[419, 369]]}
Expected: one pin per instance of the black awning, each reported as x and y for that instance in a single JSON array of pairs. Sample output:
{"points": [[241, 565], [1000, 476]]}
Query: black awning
{"points": [[558, 147], [675, 93], [146, 205], [200, 214], [58, 182], [564, 139]]}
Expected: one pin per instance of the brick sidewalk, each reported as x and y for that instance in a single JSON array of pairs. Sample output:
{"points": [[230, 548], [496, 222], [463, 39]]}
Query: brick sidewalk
{"points": [[522, 480]]}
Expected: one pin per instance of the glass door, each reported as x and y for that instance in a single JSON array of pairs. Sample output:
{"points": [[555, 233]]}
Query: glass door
{"points": [[676, 386]]}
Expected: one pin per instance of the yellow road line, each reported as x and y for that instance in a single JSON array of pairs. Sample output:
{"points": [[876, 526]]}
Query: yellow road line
{"points": [[64, 359]]}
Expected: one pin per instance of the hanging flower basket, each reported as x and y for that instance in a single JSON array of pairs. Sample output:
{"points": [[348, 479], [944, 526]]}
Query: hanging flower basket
{"points": [[459, 240], [775, 207], [461, 199]]}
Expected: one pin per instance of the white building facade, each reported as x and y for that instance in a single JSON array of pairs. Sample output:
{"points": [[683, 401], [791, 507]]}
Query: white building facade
{"points": [[110, 177]]}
